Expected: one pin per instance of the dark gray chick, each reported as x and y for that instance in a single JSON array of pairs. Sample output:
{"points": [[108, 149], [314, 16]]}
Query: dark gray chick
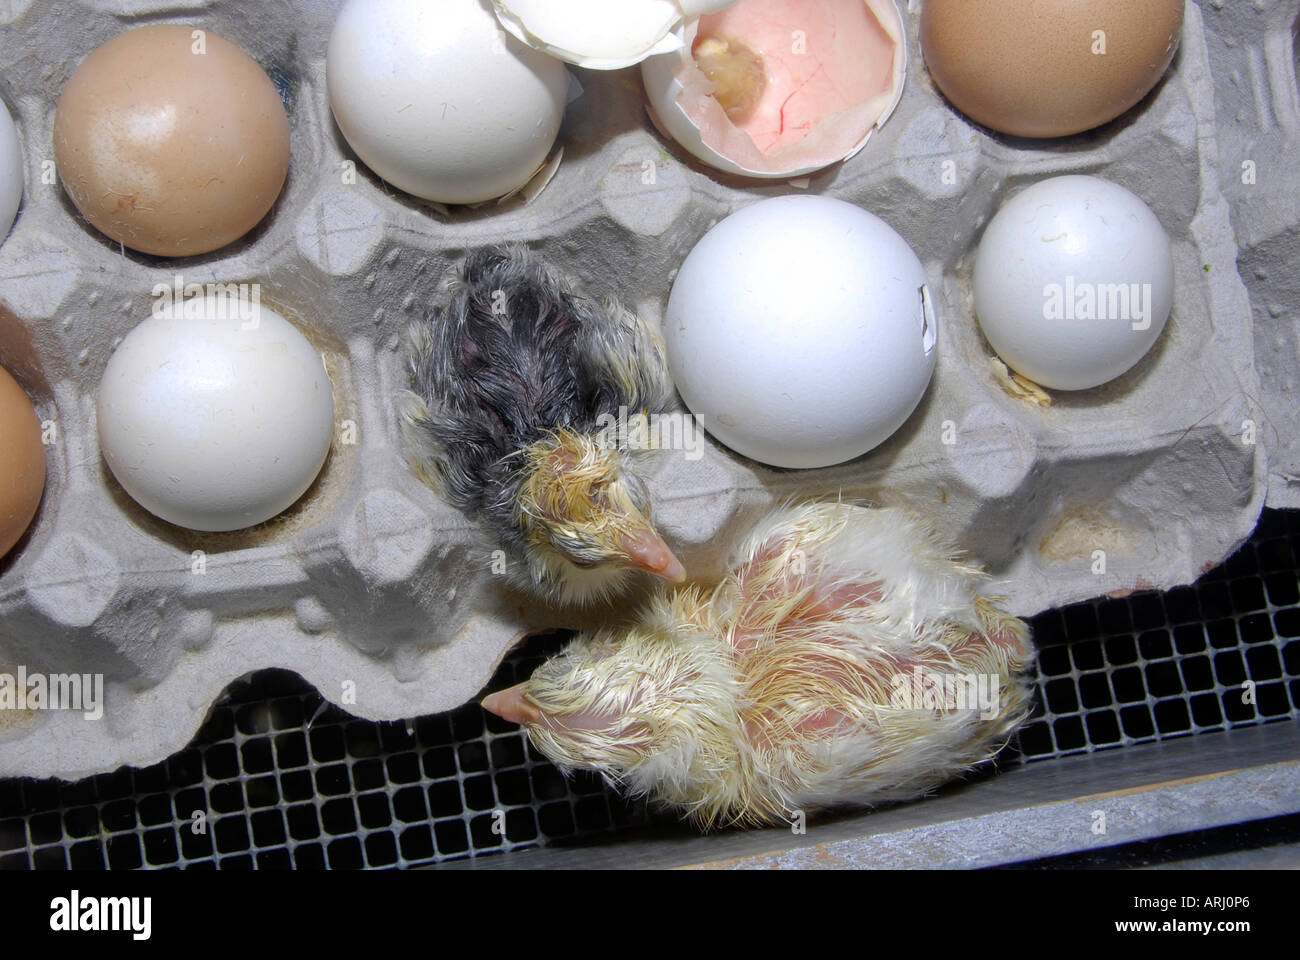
{"points": [[514, 384]]}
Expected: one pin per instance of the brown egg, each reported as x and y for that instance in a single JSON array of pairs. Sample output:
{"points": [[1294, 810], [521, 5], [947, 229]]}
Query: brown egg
{"points": [[1048, 68], [22, 462], [171, 140]]}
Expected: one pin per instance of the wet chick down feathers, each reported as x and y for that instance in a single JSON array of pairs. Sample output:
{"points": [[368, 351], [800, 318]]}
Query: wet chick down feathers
{"points": [[514, 385], [846, 659]]}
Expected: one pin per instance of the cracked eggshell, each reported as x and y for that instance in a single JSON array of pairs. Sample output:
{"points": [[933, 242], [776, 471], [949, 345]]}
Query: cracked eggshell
{"points": [[215, 417], [833, 71], [598, 34], [800, 331], [11, 172], [441, 102]]}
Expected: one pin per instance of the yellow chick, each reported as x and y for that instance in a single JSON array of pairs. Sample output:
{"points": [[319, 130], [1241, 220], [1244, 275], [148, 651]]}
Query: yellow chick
{"points": [[848, 658]]}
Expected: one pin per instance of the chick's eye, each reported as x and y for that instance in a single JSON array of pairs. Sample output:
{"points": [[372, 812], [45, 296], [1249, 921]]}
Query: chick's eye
{"points": [[589, 499]]}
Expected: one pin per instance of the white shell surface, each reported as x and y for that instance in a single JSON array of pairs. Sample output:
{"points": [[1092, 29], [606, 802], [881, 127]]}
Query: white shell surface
{"points": [[441, 102], [216, 421], [11, 172], [1074, 281], [798, 332], [600, 34]]}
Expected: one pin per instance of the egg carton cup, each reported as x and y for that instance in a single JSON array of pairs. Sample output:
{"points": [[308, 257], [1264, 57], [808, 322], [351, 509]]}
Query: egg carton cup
{"points": [[393, 604]]}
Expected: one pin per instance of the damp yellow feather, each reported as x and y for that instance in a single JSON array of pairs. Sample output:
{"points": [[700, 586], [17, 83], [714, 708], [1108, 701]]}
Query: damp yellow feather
{"points": [[777, 690]]}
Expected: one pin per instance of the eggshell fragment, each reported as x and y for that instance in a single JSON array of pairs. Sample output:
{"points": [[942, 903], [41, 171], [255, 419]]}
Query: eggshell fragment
{"points": [[22, 462], [1048, 68], [171, 140], [800, 331], [832, 71], [215, 416], [439, 100], [598, 34], [11, 172]]}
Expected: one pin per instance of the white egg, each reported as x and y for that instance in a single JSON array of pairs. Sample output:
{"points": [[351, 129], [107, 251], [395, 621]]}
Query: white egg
{"points": [[11, 172], [215, 417], [1073, 282], [800, 331], [439, 100]]}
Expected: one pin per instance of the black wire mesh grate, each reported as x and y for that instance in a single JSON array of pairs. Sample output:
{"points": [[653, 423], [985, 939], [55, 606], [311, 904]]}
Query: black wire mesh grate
{"points": [[280, 779], [1116, 672]]}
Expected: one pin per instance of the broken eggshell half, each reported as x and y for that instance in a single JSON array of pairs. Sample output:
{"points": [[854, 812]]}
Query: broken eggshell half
{"points": [[598, 34], [780, 88]]}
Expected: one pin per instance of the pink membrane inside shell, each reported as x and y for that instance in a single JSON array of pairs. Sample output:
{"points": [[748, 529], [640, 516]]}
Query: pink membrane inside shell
{"points": [[829, 65]]}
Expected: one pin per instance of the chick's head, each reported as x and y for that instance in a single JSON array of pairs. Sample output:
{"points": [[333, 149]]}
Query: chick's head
{"points": [[655, 711], [586, 519]]}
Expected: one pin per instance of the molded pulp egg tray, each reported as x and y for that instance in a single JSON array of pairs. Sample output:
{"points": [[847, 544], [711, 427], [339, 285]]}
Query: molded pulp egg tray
{"points": [[384, 597]]}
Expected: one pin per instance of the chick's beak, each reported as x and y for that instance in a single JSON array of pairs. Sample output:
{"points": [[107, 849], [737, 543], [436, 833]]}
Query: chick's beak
{"points": [[647, 551], [511, 705]]}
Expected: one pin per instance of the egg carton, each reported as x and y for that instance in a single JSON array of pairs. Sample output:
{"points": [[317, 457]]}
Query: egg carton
{"points": [[1253, 49], [391, 603]]}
